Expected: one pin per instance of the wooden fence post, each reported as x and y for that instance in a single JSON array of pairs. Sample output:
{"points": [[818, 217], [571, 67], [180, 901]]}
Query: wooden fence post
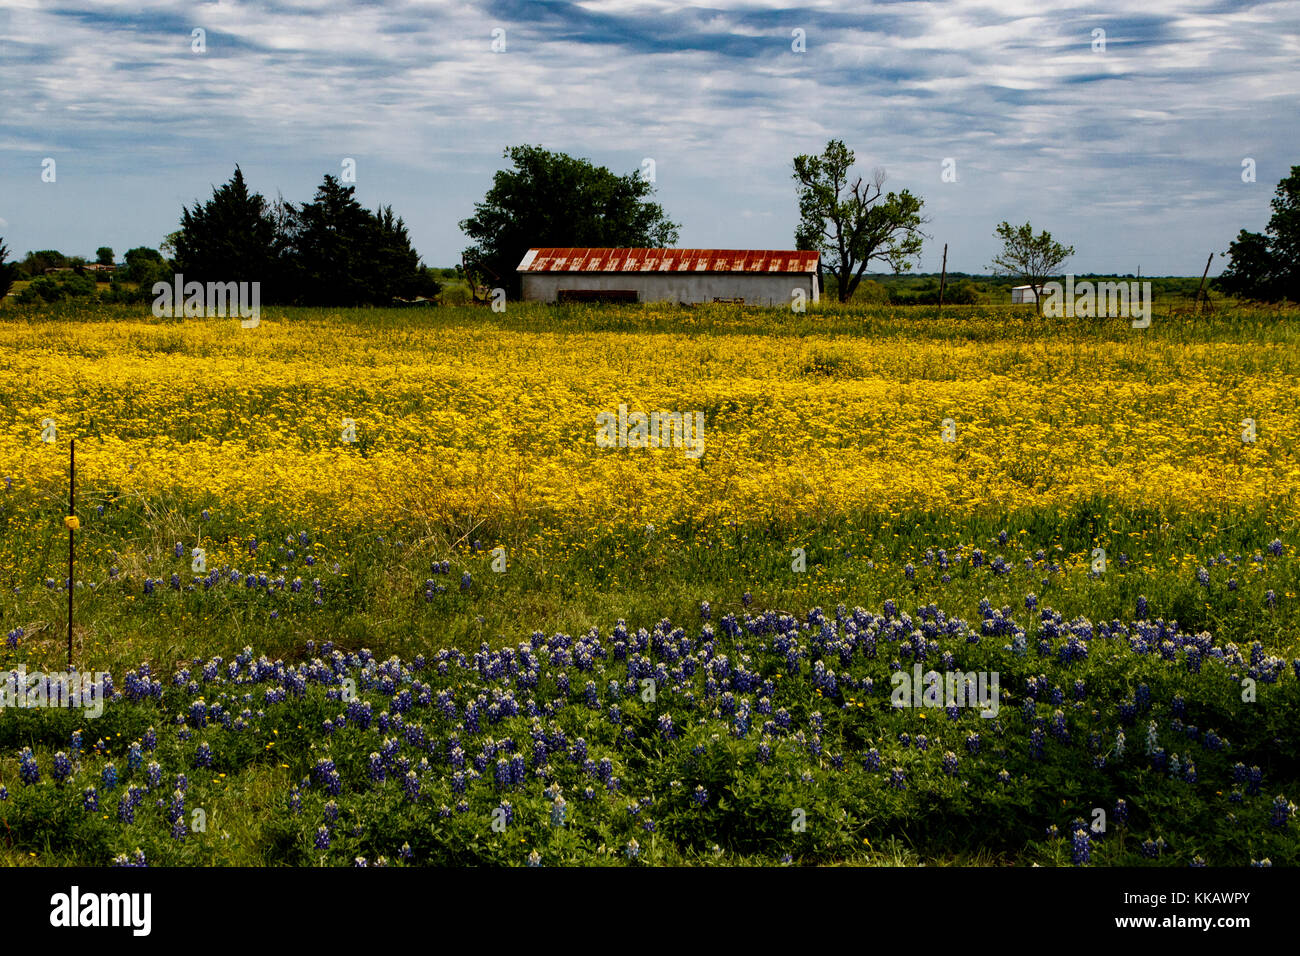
{"points": [[1196, 306], [943, 279]]}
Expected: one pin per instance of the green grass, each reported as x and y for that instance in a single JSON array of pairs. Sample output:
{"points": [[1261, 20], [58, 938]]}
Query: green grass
{"points": [[376, 600]]}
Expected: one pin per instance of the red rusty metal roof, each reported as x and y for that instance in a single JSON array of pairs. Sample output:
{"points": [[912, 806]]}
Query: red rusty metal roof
{"points": [[556, 259]]}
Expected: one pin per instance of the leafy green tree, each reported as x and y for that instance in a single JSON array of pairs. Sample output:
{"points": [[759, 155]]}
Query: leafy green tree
{"points": [[36, 263], [144, 267], [553, 199], [56, 288], [852, 223], [1031, 257], [141, 262], [104, 256], [7, 270], [1266, 265], [230, 238]]}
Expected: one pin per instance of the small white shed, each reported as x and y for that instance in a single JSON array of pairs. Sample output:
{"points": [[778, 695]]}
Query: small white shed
{"points": [[1023, 293]]}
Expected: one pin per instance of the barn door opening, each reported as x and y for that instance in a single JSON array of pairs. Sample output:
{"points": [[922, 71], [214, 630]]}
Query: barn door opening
{"points": [[597, 295]]}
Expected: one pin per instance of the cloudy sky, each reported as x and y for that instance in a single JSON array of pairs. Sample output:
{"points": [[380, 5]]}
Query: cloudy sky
{"points": [[1132, 153]]}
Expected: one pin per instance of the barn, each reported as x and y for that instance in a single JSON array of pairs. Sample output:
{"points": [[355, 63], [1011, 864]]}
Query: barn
{"points": [[685, 276], [1023, 293]]}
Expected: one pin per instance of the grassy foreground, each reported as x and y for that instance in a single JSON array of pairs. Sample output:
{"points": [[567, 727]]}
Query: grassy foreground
{"points": [[1095, 470]]}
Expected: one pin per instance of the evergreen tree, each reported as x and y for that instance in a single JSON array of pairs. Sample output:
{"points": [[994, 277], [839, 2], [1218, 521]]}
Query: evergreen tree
{"points": [[339, 253], [230, 238], [6, 270]]}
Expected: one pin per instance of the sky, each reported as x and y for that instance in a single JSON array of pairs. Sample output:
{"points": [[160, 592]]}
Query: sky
{"points": [[1128, 145]]}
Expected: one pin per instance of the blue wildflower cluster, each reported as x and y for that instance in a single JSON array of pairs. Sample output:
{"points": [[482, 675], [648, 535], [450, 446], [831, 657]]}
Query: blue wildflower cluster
{"points": [[685, 740]]}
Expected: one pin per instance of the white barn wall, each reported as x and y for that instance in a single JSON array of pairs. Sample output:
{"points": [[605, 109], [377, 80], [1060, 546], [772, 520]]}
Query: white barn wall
{"points": [[754, 288]]}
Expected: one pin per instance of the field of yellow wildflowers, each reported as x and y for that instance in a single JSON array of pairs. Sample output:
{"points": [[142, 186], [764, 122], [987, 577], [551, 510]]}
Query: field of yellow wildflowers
{"points": [[838, 432], [321, 558]]}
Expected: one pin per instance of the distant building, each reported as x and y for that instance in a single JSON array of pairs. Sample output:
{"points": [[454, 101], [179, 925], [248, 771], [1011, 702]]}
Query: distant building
{"points": [[94, 267], [686, 276], [1023, 293]]}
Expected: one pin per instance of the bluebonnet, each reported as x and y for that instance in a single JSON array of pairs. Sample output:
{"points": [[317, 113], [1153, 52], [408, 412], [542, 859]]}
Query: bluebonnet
{"points": [[126, 809], [62, 767], [1036, 738], [1282, 811], [1080, 846], [27, 768], [411, 786]]}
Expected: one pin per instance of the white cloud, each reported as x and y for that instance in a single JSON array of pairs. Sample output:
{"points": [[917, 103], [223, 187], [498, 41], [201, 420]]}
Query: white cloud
{"points": [[1039, 124]]}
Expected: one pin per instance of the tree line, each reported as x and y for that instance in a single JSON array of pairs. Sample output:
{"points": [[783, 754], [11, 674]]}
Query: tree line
{"points": [[334, 252], [331, 251]]}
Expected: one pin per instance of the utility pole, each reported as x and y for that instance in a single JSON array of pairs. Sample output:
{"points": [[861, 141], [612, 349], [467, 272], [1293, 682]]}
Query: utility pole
{"points": [[72, 533], [943, 278], [1197, 304]]}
